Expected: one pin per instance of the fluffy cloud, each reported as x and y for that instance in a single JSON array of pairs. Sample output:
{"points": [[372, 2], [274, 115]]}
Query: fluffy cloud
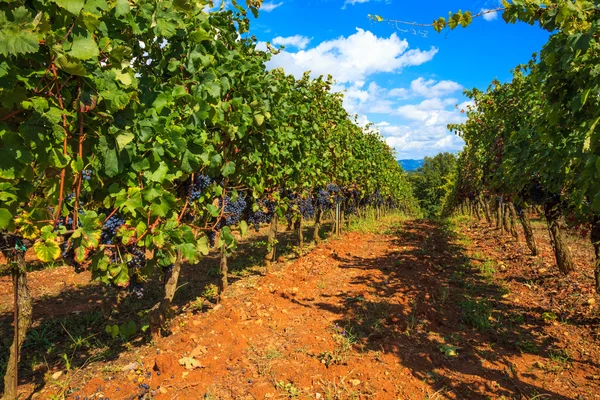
{"points": [[414, 130], [353, 2], [270, 6], [298, 41], [416, 142], [353, 58], [431, 88], [489, 16]]}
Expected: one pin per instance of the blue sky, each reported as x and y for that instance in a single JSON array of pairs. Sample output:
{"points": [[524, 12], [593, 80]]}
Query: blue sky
{"points": [[408, 83]]}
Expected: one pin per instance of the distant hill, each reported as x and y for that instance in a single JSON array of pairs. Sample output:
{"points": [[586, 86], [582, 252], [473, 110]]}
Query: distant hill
{"points": [[411, 165]]}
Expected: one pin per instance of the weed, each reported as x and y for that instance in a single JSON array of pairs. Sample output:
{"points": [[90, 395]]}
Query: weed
{"points": [[273, 354], [211, 292], [487, 269], [197, 305], [344, 340], [527, 346], [559, 356], [517, 318], [476, 313], [321, 284], [289, 388], [549, 316]]}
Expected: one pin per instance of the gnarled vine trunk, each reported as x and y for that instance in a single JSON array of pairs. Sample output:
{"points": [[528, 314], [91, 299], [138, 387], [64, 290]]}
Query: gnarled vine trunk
{"points": [[595, 237], [513, 223], [298, 226], [271, 244], [23, 319], [158, 315], [499, 224], [529, 238], [223, 282], [486, 209], [317, 226], [505, 217], [561, 250]]}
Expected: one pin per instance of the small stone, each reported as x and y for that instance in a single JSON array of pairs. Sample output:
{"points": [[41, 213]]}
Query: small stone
{"points": [[57, 374], [542, 271], [591, 301], [166, 363], [355, 382], [317, 396]]}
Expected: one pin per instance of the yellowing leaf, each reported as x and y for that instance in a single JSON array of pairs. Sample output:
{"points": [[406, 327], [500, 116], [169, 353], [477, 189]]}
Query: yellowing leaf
{"points": [[190, 363], [47, 250]]}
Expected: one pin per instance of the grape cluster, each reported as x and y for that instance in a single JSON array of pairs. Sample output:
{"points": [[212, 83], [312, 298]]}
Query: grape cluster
{"points": [[70, 196], [65, 221], [234, 210], [135, 286], [307, 207], [197, 186], [109, 229], [212, 236], [335, 194], [86, 174], [264, 214], [323, 199], [138, 257]]}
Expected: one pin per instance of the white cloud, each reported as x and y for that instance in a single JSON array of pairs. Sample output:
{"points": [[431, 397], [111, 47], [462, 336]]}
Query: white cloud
{"points": [[270, 6], [353, 58], [353, 2], [298, 41], [416, 142], [489, 16], [431, 88]]}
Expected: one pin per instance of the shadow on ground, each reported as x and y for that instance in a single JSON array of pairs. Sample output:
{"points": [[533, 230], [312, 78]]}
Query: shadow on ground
{"points": [[442, 317], [69, 328]]}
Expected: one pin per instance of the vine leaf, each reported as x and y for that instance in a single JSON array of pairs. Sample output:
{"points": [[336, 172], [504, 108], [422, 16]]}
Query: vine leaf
{"points": [[72, 6], [17, 32], [5, 218], [47, 250], [122, 8], [84, 48]]}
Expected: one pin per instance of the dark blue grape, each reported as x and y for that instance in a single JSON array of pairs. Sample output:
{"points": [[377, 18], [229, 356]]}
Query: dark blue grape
{"points": [[264, 214], [86, 174], [197, 186], [109, 229]]}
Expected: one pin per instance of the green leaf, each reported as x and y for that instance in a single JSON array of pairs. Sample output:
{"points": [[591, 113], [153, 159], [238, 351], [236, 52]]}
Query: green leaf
{"points": [[47, 250], [122, 8], [84, 48], [160, 174], [162, 100], [259, 119], [228, 169], [202, 245], [70, 65], [72, 6], [127, 329], [124, 138], [19, 36], [112, 330], [243, 227], [213, 211], [5, 218]]}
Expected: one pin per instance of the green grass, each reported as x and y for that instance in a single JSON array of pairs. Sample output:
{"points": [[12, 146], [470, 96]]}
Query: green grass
{"points": [[476, 313]]}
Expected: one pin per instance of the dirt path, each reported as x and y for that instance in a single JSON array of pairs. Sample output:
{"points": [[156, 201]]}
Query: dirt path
{"points": [[402, 315]]}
